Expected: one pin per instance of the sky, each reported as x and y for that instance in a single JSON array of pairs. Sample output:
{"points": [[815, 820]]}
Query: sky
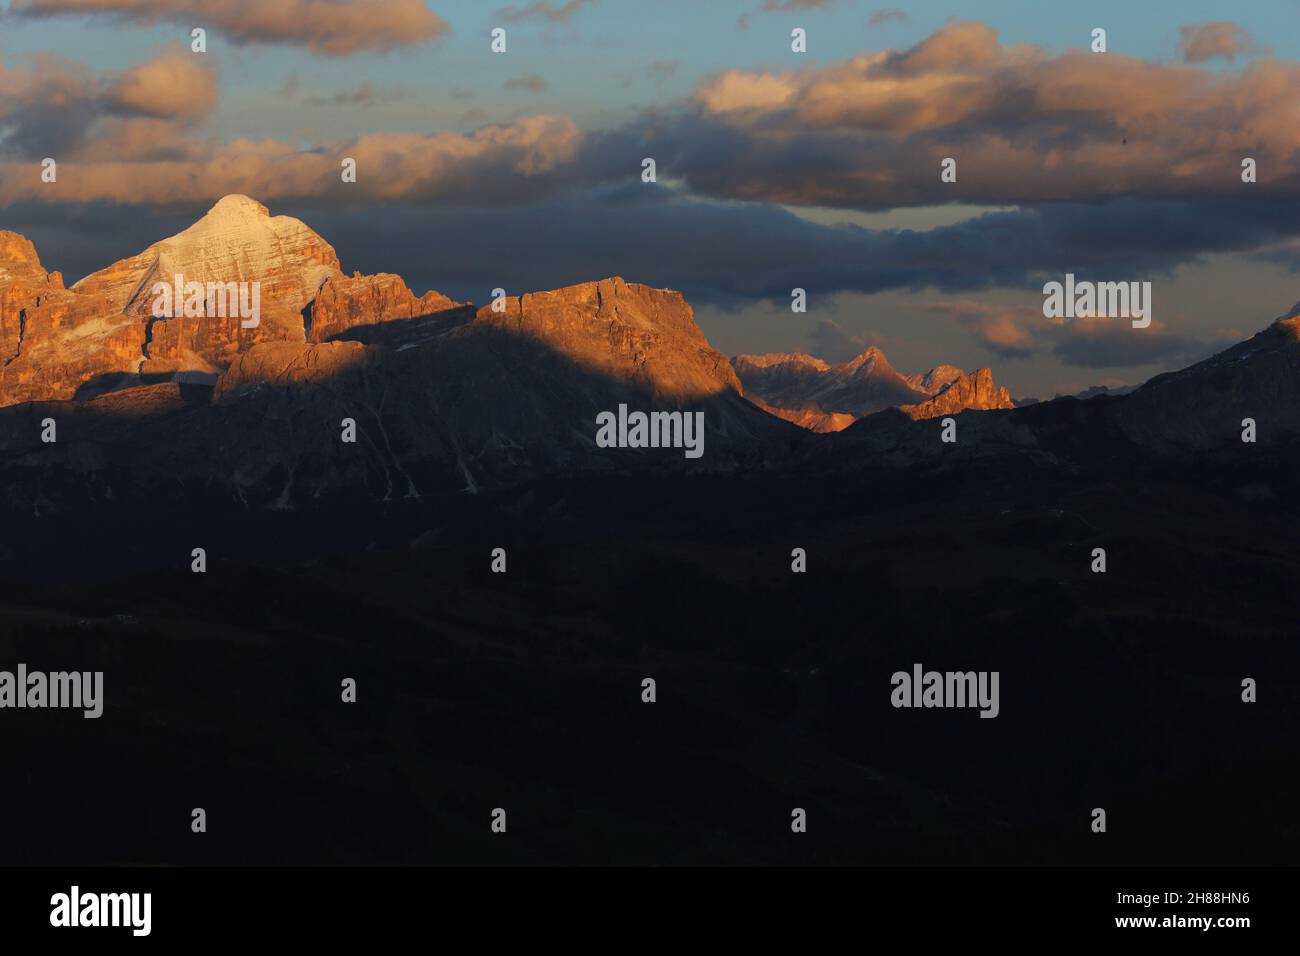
{"points": [[775, 169]]}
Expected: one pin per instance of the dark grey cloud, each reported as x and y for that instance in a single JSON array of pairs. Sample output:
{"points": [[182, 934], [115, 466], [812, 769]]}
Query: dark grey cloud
{"points": [[1114, 343], [729, 254], [51, 106], [722, 253]]}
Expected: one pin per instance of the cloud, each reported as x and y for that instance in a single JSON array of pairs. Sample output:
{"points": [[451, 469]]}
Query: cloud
{"points": [[543, 10], [363, 95], [888, 15], [54, 107], [662, 69], [996, 328], [46, 109], [324, 27], [531, 83], [1199, 42], [730, 255], [173, 85], [1114, 343], [520, 161], [1024, 126], [1013, 333]]}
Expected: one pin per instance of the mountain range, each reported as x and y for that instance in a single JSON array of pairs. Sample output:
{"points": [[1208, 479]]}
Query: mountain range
{"points": [[447, 396], [826, 398]]}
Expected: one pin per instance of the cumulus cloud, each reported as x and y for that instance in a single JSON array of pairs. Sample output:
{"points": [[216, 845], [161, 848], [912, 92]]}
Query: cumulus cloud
{"points": [[325, 27], [54, 107], [1012, 333], [175, 84], [996, 328], [1023, 125], [493, 164], [46, 108], [1199, 42]]}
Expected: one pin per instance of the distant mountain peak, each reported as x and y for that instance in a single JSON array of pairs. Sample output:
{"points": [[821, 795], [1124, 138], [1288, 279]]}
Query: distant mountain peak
{"points": [[872, 359], [975, 391], [822, 397], [771, 359]]}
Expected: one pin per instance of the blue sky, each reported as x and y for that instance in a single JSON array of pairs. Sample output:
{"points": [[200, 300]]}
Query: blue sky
{"points": [[596, 63]]}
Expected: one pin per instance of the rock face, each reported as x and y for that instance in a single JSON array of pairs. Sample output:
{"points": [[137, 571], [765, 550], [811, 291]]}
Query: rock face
{"points": [[101, 334], [824, 397], [631, 333], [344, 303], [287, 363], [935, 380], [53, 339], [976, 390], [1202, 407], [809, 418], [24, 286]]}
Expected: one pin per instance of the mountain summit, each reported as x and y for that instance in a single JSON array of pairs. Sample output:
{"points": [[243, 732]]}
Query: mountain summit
{"points": [[237, 240]]}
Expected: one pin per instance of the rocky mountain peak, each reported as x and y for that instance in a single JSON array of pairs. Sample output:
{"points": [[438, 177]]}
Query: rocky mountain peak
{"points": [[825, 397], [870, 361], [935, 380], [624, 331], [237, 240], [773, 359], [976, 390]]}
